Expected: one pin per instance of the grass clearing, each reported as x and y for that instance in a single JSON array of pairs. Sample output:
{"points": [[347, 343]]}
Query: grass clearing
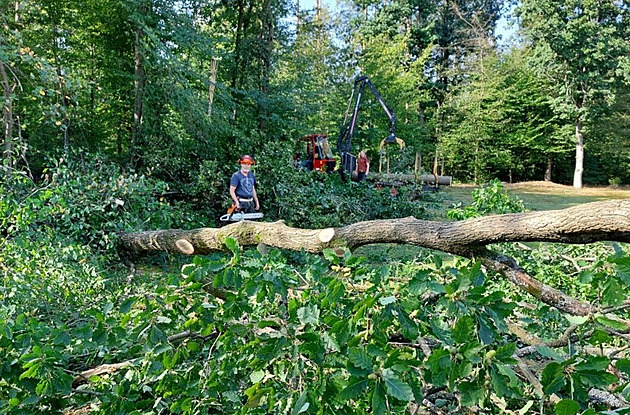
{"points": [[541, 195]]}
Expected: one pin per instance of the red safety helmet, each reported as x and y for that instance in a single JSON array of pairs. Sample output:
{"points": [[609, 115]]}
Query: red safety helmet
{"points": [[246, 159]]}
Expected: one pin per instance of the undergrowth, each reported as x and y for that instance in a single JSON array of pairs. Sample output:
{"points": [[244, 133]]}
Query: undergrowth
{"points": [[374, 331]]}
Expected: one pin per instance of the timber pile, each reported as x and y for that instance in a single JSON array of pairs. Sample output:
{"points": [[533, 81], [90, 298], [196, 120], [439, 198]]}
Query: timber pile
{"points": [[401, 179]]}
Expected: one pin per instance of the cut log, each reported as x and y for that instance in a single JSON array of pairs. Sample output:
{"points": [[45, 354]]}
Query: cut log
{"points": [[441, 180], [184, 247], [410, 178], [326, 235]]}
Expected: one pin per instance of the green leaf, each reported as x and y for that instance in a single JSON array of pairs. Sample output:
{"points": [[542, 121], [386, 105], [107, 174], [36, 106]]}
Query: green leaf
{"points": [[360, 358], [437, 260], [567, 407], [550, 353], [256, 376], [462, 283], [505, 353], [407, 325], [378, 400], [31, 400], [552, 378], [472, 393], [396, 387], [463, 329], [330, 343], [596, 378], [476, 275], [599, 336], [486, 329], [608, 322], [309, 314], [125, 307], [613, 292], [354, 389], [498, 382], [387, 300], [622, 268], [214, 266], [576, 320], [232, 245], [436, 287], [586, 277], [593, 363], [108, 307], [623, 365], [301, 405], [331, 256]]}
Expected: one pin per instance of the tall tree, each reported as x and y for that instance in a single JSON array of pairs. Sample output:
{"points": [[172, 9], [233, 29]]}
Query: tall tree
{"points": [[139, 81], [578, 46], [441, 34], [500, 123]]}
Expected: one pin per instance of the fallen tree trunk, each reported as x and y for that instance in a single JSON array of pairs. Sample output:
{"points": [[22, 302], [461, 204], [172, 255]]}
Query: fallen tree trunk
{"points": [[591, 222], [598, 221]]}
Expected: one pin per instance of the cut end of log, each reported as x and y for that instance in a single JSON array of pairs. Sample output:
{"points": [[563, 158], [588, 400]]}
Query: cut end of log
{"points": [[326, 235], [184, 247]]}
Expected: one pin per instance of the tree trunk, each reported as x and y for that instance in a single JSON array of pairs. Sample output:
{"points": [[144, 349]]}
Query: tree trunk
{"points": [[211, 87], [581, 224], [267, 38], [421, 115], [7, 114], [549, 167], [60, 82], [139, 86], [586, 223], [237, 42], [579, 155]]}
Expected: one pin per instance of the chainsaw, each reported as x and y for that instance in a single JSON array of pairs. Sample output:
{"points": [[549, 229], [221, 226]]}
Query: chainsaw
{"points": [[233, 215]]}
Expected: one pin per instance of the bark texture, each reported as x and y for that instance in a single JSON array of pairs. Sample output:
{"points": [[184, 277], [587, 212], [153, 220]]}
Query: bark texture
{"points": [[591, 222], [598, 221]]}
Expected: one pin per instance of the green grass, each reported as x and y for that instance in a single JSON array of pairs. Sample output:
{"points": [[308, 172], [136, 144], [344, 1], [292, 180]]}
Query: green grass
{"points": [[540, 195]]}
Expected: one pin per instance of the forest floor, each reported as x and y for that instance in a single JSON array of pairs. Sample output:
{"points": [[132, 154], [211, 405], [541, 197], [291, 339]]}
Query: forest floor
{"points": [[544, 195]]}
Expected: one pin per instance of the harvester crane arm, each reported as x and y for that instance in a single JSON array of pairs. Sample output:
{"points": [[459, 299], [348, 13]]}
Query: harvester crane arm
{"points": [[344, 142]]}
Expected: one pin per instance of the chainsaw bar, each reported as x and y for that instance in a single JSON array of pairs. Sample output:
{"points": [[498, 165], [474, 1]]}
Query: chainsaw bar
{"points": [[238, 216]]}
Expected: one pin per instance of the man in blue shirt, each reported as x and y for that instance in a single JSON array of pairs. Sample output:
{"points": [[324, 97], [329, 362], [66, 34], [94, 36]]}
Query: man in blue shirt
{"points": [[243, 187]]}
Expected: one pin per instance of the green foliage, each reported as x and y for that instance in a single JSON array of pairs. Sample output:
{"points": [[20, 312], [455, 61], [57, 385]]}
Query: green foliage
{"points": [[491, 198], [499, 124], [243, 332], [274, 333], [87, 201], [314, 199], [311, 199], [579, 48], [321, 344]]}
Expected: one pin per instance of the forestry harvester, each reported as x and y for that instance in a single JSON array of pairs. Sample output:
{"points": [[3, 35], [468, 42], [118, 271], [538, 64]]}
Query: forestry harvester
{"points": [[318, 153]]}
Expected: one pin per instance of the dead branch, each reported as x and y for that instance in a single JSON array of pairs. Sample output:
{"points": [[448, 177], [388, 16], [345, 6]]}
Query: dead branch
{"points": [[100, 370], [561, 342], [606, 398]]}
